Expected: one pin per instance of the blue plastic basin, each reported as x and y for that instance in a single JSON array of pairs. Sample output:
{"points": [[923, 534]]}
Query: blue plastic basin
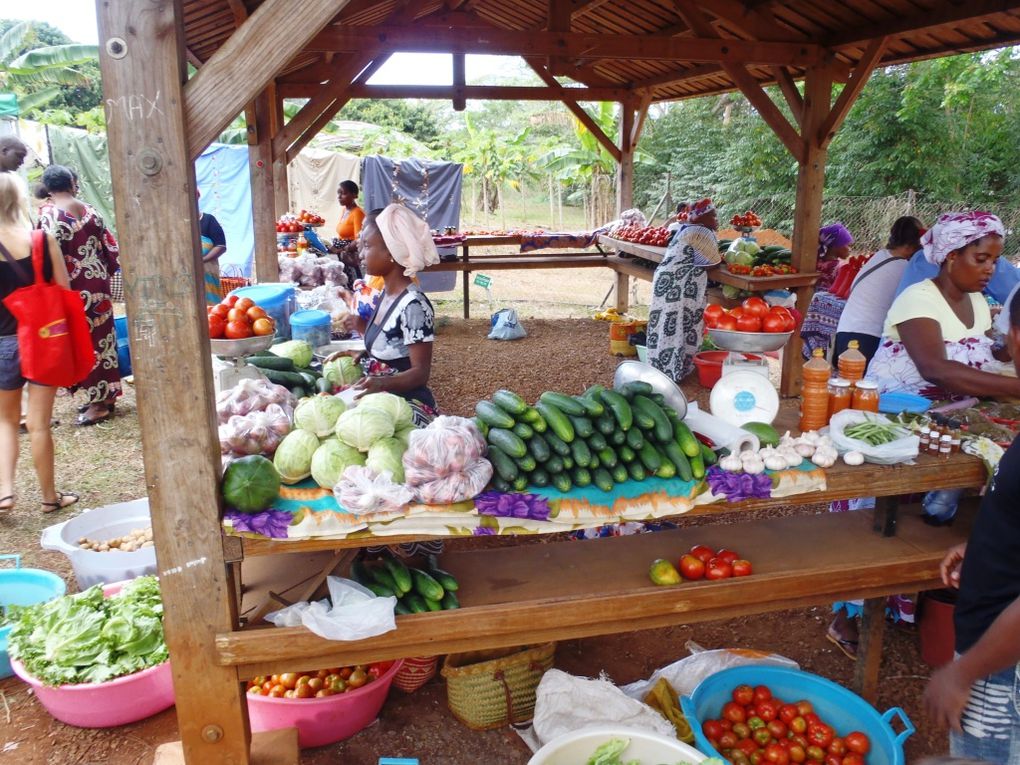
{"points": [[840, 708], [24, 587]]}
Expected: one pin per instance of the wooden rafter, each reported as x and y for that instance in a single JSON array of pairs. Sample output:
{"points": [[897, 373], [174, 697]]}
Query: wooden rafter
{"points": [[677, 76], [858, 79], [642, 114], [471, 92], [944, 14], [583, 117], [194, 60], [756, 24], [579, 8], [248, 59], [789, 90]]}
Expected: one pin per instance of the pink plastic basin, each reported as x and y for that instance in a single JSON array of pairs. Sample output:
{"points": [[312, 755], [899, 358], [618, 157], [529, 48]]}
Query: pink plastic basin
{"points": [[323, 721], [105, 705]]}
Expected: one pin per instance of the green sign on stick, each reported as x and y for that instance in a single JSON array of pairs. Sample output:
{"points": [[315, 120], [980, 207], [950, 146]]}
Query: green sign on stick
{"points": [[483, 281]]}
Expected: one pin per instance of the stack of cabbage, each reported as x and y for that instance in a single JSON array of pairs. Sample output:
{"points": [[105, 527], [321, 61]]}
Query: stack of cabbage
{"points": [[327, 438]]}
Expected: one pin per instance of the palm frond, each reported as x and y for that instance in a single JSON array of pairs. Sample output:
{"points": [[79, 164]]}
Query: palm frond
{"points": [[53, 56], [38, 99], [63, 76], [13, 39]]}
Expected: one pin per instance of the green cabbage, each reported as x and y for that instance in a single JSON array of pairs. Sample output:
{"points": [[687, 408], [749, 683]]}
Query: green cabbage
{"points": [[395, 406], [330, 460], [297, 351], [404, 434], [387, 454], [361, 427], [293, 458], [341, 371], [318, 414]]}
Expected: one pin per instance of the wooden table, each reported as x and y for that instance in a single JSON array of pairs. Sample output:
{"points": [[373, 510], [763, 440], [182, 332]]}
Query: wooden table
{"points": [[565, 590]]}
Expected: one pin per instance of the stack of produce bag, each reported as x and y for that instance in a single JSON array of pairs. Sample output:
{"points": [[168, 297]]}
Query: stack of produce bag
{"points": [[254, 417], [445, 462]]}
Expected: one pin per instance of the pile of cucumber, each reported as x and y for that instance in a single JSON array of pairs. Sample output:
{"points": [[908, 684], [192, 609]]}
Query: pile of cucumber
{"points": [[417, 590], [301, 381], [601, 437]]}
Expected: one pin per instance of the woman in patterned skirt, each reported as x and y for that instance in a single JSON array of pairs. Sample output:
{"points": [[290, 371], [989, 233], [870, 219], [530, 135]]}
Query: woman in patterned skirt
{"points": [[90, 253], [676, 318]]}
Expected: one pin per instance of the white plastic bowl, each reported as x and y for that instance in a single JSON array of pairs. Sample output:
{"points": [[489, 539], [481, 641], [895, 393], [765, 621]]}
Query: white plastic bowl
{"points": [[645, 747]]}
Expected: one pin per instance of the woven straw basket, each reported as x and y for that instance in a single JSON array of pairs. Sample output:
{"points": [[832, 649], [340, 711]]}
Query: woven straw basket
{"points": [[490, 689]]}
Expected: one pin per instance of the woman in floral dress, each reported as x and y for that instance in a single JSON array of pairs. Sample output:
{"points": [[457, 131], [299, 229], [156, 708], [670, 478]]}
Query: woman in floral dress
{"points": [[90, 253]]}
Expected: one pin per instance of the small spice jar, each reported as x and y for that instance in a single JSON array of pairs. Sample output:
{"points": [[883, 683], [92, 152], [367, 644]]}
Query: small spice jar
{"points": [[934, 440], [866, 396], [945, 446], [840, 395], [955, 443], [924, 436]]}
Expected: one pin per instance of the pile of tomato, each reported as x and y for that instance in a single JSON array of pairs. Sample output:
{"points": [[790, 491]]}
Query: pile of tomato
{"points": [[746, 220], [317, 685], [657, 236], [235, 318], [757, 728], [292, 224], [753, 315], [702, 562]]}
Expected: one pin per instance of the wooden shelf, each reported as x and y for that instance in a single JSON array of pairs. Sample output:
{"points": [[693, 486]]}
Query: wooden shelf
{"points": [[646, 251], [523, 262], [566, 590]]}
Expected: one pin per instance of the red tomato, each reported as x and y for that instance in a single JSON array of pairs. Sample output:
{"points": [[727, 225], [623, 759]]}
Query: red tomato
{"points": [[726, 322], [718, 569], [726, 724], [743, 694], [256, 312], [815, 753], [798, 724], [820, 734], [243, 304], [837, 746], [776, 754], [799, 739], [797, 753], [858, 742], [221, 311], [263, 326], [703, 553], [743, 732], [788, 711], [238, 330], [729, 556], [236, 314], [742, 567], [229, 301], [767, 709], [728, 740], [748, 323], [747, 746], [804, 707], [216, 326], [773, 323], [777, 728], [712, 729], [734, 712], [692, 568], [755, 306], [737, 312], [833, 759], [853, 759], [714, 312], [811, 718]]}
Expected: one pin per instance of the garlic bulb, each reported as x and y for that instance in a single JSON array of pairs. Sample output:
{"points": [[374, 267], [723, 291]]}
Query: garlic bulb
{"points": [[804, 449], [853, 458], [731, 464], [754, 466], [824, 457], [793, 459], [775, 462]]}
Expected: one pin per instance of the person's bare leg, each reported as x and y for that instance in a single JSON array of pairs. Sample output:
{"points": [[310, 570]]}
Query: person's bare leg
{"points": [[40, 409], [10, 418]]}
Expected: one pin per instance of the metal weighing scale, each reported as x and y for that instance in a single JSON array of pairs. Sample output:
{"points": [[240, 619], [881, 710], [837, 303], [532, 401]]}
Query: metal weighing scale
{"points": [[738, 362], [233, 368]]}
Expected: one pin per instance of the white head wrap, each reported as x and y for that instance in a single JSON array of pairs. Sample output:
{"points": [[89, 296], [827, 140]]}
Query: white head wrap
{"points": [[407, 238], [955, 230]]}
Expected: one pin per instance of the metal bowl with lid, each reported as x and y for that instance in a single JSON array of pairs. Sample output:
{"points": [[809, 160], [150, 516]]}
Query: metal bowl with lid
{"points": [[637, 371]]}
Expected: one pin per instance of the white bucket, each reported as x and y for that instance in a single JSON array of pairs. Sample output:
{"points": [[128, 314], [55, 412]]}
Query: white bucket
{"points": [[100, 524], [645, 747]]}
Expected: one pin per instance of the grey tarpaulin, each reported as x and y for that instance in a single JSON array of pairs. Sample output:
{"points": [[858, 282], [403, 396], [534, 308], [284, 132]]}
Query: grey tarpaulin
{"points": [[86, 154]]}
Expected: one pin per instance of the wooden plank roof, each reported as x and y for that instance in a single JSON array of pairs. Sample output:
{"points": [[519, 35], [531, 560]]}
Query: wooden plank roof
{"points": [[644, 46]]}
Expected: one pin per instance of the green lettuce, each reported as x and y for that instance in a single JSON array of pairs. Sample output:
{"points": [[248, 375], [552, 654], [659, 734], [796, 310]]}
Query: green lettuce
{"points": [[86, 638]]}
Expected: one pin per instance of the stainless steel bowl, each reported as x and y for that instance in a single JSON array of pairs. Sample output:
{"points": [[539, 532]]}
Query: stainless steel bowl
{"points": [[323, 352], [236, 349], [730, 340], [637, 371]]}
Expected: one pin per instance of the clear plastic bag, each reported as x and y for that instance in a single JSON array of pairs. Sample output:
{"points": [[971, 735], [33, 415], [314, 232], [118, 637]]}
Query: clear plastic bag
{"points": [[444, 462], [506, 326], [353, 612], [253, 396], [255, 433], [901, 450], [361, 492]]}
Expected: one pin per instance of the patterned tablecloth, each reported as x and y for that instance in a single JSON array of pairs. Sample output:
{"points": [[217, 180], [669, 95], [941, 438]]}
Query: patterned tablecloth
{"points": [[531, 242]]}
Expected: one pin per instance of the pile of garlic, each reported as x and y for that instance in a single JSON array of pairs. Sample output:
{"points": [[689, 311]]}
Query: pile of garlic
{"points": [[790, 453]]}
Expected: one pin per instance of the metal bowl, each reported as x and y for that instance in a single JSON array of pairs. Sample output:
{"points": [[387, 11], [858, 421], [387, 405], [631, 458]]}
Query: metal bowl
{"points": [[637, 371], [236, 349], [731, 340], [323, 352]]}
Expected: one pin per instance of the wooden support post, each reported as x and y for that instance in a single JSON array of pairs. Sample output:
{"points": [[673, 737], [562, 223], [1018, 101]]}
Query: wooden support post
{"points": [[281, 188], [143, 70], [459, 98], [625, 176], [622, 293], [869, 657], [263, 195], [808, 210]]}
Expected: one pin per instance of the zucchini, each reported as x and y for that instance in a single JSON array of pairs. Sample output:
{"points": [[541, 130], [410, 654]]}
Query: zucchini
{"points": [[510, 402], [581, 476], [618, 437], [400, 573], [449, 601], [278, 363], [580, 453], [662, 427], [620, 473], [707, 455], [625, 453], [482, 426], [557, 421], [526, 463], [554, 464], [687, 441], [698, 466], [493, 416], [539, 448], [606, 424], [676, 455], [582, 426], [539, 478], [619, 407], [635, 388], [650, 457], [426, 586], [597, 441], [433, 605], [415, 602], [592, 408], [566, 404], [562, 482], [666, 470], [607, 457], [381, 590], [508, 441], [520, 483], [637, 471], [634, 439], [523, 430], [505, 467], [603, 480], [445, 578]]}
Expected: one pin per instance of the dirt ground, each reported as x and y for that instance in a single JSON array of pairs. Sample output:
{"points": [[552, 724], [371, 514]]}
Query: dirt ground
{"points": [[104, 464]]}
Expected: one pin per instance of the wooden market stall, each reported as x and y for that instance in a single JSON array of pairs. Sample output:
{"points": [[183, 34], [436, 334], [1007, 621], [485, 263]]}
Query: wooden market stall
{"points": [[250, 54]]}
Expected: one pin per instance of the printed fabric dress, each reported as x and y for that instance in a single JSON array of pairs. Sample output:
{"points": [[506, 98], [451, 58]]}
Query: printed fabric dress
{"points": [[91, 255], [676, 317]]}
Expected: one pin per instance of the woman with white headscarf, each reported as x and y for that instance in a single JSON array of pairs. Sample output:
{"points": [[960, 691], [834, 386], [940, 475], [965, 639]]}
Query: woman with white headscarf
{"points": [[396, 244]]}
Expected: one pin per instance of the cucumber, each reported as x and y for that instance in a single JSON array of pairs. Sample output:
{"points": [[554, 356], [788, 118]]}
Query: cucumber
{"points": [[698, 467], [286, 379], [510, 402], [401, 609], [566, 404], [482, 426], [582, 426], [360, 573], [505, 467], [322, 385], [594, 462], [625, 453], [606, 424], [662, 427], [603, 480], [539, 478], [594, 391], [299, 392], [581, 476], [539, 448], [650, 457], [531, 415], [415, 602], [523, 430], [500, 485], [445, 578], [381, 590], [676, 455], [635, 388], [400, 573], [557, 421], [568, 463], [641, 418], [562, 482], [634, 439], [592, 408], [508, 441], [554, 464], [666, 470], [687, 441], [637, 471], [449, 601], [426, 586], [707, 455], [620, 473], [597, 442], [493, 416], [278, 363], [520, 483], [433, 605], [580, 453], [607, 457], [526, 463], [619, 407], [382, 576], [618, 437], [538, 424]]}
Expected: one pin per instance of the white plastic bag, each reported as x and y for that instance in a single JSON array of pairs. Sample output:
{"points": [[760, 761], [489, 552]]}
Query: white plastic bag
{"points": [[360, 491], [255, 433], [506, 326], [444, 463], [901, 450], [356, 613], [253, 395]]}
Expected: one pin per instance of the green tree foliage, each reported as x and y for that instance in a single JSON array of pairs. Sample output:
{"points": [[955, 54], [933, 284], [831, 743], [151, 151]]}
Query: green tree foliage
{"points": [[416, 119]]}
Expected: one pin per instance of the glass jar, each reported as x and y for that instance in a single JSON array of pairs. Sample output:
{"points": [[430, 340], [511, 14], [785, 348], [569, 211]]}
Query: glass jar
{"points": [[945, 446], [866, 396], [840, 395], [923, 436], [956, 443]]}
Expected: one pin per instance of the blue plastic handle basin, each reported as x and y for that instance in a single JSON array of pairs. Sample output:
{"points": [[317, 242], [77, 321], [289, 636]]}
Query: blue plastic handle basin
{"points": [[24, 587]]}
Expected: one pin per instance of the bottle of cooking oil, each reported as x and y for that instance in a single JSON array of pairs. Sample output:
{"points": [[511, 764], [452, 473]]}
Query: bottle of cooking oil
{"points": [[814, 395]]}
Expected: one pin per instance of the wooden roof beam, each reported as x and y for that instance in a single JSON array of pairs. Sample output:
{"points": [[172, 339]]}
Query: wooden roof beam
{"points": [[677, 76], [756, 24], [248, 60], [425, 38], [642, 114], [471, 92], [851, 90], [789, 90], [945, 14], [583, 117], [579, 8]]}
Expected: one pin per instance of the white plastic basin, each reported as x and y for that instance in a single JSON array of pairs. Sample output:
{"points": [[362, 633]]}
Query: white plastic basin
{"points": [[645, 747]]}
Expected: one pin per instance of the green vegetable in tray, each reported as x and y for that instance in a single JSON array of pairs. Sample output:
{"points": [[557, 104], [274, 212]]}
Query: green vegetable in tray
{"points": [[318, 414], [297, 351], [341, 371], [875, 433], [611, 753]]}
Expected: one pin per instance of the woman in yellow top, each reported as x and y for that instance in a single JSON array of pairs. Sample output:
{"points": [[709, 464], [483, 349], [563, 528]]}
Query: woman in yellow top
{"points": [[345, 246]]}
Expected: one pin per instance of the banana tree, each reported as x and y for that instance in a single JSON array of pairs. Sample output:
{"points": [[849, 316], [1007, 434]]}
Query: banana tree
{"points": [[38, 74]]}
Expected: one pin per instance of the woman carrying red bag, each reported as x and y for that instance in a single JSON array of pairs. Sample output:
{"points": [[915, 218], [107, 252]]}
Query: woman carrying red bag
{"points": [[16, 238]]}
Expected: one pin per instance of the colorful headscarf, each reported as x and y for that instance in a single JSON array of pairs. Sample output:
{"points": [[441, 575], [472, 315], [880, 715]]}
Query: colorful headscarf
{"points": [[699, 208], [833, 235], [955, 230], [408, 239]]}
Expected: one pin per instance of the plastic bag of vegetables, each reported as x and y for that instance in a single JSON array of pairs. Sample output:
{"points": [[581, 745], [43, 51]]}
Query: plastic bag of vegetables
{"points": [[361, 491], [444, 462], [253, 396], [255, 433], [318, 414], [876, 437]]}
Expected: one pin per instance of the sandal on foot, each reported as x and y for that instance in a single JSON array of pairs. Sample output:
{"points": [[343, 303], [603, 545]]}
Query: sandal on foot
{"points": [[6, 503], [64, 499], [84, 420], [848, 647]]}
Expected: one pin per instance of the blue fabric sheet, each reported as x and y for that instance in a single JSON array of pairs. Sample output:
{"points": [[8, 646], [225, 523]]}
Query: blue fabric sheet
{"points": [[225, 184], [1003, 280]]}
